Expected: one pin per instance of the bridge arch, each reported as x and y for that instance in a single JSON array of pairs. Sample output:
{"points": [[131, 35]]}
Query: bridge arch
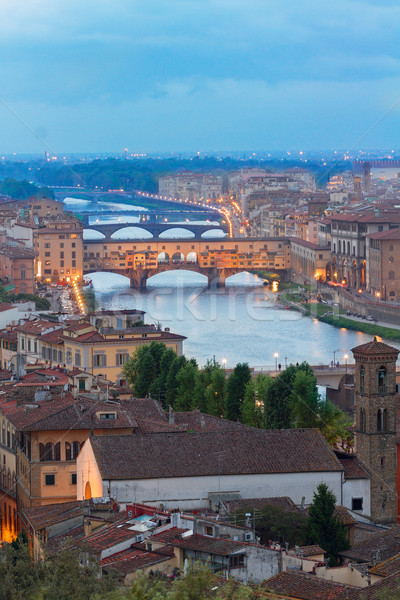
{"points": [[176, 233], [178, 277], [163, 257], [93, 234], [213, 233], [131, 233], [191, 257], [178, 257]]}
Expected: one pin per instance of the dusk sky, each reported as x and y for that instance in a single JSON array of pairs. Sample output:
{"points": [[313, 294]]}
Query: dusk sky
{"points": [[187, 75]]}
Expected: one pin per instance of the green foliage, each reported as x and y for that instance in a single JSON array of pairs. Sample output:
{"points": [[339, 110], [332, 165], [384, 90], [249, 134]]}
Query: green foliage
{"points": [[21, 190], [216, 392], [172, 381], [323, 528], [186, 382], [40, 303], [305, 400], [146, 367], [235, 390], [278, 397], [254, 401], [276, 524]]}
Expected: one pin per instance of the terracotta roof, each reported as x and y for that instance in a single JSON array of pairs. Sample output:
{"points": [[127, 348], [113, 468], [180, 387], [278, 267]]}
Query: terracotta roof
{"points": [[35, 326], [283, 502], [389, 234], [301, 242], [197, 421], [304, 586], [375, 347], [18, 252], [53, 337], [202, 543], [168, 536], [381, 589], [342, 514], [132, 560], [313, 550], [193, 454], [363, 531], [352, 468], [4, 306], [387, 567], [383, 544], [108, 536], [44, 516], [56, 543], [7, 334]]}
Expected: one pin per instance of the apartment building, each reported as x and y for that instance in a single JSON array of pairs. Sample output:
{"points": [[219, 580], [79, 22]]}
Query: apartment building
{"points": [[60, 250]]}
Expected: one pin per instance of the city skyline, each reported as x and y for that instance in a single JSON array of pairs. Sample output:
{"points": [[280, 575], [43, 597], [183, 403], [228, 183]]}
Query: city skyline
{"points": [[189, 75]]}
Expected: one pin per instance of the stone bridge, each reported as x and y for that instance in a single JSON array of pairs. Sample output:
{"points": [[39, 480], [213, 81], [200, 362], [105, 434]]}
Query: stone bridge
{"points": [[138, 277], [155, 228]]}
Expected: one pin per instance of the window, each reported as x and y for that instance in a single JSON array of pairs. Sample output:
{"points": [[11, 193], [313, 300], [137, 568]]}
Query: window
{"points": [[356, 503], [47, 253], [81, 385], [236, 561], [50, 479], [362, 420], [77, 359], [62, 254], [107, 416], [362, 379], [382, 388], [99, 360], [72, 450], [122, 358], [208, 530], [62, 245], [73, 478], [392, 275], [22, 343]]}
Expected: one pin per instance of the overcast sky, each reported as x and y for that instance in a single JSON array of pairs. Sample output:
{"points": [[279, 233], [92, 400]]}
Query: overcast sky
{"points": [[179, 75]]}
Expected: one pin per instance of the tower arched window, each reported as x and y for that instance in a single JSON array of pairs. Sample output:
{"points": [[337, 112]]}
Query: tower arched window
{"points": [[362, 420], [362, 379], [348, 248], [385, 423], [382, 380], [339, 247], [379, 420]]}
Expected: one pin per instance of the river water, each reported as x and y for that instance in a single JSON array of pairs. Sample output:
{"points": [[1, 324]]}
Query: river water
{"points": [[237, 324]]}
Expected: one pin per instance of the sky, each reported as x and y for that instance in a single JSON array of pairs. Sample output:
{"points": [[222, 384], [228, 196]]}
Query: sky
{"points": [[198, 75]]}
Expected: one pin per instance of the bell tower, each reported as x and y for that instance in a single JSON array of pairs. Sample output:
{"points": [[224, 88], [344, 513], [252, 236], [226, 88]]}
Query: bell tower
{"points": [[375, 424]]}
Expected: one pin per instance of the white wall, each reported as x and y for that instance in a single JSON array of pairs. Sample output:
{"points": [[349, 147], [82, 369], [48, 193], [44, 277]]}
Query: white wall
{"points": [[87, 470], [192, 492], [357, 488], [20, 311]]}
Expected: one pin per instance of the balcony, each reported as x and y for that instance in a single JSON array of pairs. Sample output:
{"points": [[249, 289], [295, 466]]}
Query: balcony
{"points": [[382, 390]]}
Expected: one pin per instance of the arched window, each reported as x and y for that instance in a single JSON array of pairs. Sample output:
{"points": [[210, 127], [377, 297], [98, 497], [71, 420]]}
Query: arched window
{"points": [[75, 449], [362, 420], [379, 420], [72, 450], [362, 378], [339, 247], [382, 379], [348, 248], [385, 420]]}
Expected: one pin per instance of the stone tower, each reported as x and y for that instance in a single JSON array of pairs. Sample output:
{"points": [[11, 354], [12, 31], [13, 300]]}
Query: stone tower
{"points": [[375, 424]]}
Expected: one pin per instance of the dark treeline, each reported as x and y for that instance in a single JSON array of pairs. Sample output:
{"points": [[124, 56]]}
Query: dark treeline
{"points": [[290, 399], [20, 190], [113, 173]]}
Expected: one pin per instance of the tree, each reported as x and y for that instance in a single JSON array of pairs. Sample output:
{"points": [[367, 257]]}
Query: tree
{"points": [[235, 390], [171, 382], [254, 399], [186, 382], [216, 392], [305, 400], [278, 399], [323, 528], [276, 524], [134, 366], [158, 387], [146, 369]]}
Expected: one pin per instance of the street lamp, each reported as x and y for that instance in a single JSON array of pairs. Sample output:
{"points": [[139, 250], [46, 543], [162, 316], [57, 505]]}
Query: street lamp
{"points": [[346, 356], [276, 361], [224, 362]]}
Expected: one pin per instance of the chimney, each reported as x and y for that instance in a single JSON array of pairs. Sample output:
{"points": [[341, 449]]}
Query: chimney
{"points": [[171, 416], [303, 502]]}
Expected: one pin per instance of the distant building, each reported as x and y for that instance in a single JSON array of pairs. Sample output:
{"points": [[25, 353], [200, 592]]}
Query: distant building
{"points": [[60, 250]]}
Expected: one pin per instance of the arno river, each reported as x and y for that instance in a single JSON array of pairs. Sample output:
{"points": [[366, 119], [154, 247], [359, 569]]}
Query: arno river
{"points": [[238, 323]]}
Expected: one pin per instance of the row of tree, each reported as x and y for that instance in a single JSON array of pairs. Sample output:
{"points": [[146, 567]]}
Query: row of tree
{"points": [[290, 399]]}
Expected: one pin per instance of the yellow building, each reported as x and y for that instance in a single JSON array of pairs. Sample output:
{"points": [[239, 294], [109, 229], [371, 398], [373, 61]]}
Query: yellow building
{"points": [[104, 343], [60, 250]]}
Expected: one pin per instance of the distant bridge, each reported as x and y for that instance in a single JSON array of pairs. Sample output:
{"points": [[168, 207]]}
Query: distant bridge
{"points": [[155, 228]]}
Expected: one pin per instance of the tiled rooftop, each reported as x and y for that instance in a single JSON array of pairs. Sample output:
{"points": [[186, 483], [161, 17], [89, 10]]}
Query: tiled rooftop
{"points": [[303, 586], [188, 454], [383, 545]]}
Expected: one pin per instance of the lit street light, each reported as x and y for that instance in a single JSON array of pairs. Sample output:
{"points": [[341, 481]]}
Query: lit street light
{"points": [[276, 361], [346, 356]]}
